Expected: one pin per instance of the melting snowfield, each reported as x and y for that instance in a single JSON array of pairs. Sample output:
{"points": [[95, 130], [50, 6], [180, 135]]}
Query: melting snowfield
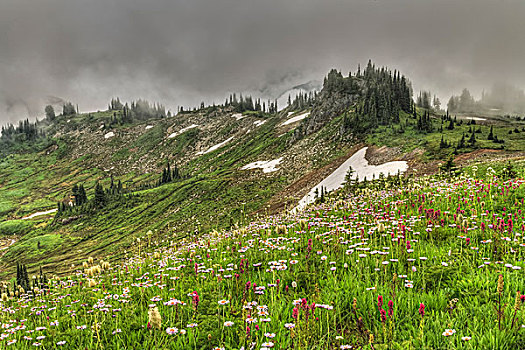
{"points": [[361, 169], [183, 130], [40, 213], [149, 127], [109, 134], [259, 122], [296, 118], [475, 118], [267, 166], [217, 146], [238, 116]]}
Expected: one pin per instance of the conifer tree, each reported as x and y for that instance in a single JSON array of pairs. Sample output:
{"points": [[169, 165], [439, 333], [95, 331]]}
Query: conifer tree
{"points": [[100, 196], [491, 134]]}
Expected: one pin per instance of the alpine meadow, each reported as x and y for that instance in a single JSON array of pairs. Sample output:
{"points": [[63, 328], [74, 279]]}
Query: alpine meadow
{"points": [[197, 175]]}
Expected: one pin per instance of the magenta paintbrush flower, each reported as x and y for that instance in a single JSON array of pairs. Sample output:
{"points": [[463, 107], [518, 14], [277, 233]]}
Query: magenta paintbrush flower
{"points": [[390, 308]]}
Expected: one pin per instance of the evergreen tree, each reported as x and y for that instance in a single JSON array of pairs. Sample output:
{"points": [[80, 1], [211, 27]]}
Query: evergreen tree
{"points": [[68, 109], [461, 143], [472, 139], [76, 195], [491, 134], [449, 166], [348, 177], [100, 196], [442, 143], [50, 113]]}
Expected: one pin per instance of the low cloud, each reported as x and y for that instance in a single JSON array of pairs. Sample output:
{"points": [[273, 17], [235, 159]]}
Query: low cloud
{"points": [[187, 51]]}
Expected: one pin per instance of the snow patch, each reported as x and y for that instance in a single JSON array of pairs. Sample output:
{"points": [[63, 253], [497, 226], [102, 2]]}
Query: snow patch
{"points": [[475, 118], [183, 130], [109, 134], [11, 242], [361, 169], [259, 122], [238, 116], [296, 118], [40, 213], [267, 166], [217, 146], [148, 127]]}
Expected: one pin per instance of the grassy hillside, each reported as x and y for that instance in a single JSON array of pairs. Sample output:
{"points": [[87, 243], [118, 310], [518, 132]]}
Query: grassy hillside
{"points": [[214, 192], [410, 263], [210, 146]]}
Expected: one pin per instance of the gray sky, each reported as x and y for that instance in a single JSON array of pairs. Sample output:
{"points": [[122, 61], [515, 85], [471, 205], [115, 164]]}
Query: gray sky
{"points": [[184, 51]]}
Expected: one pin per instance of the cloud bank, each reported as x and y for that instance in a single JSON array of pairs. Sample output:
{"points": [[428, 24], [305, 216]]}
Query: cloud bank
{"points": [[182, 52]]}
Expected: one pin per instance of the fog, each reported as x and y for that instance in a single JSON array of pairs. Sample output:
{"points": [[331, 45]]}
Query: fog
{"points": [[182, 52]]}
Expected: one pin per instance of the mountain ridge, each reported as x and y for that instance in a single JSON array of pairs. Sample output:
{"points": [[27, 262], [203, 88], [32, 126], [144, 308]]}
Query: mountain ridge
{"points": [[211, 190]]}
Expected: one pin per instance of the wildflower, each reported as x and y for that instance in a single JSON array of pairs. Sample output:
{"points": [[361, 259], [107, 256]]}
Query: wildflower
{"points": [[195, 299], [172, 330], [466, 338], [383, 315], [224, 302], [62, 342], [449, 332], [289, 325], [422, 309], [390, 308], [154, 318], [228, 324], [295, 313]]}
